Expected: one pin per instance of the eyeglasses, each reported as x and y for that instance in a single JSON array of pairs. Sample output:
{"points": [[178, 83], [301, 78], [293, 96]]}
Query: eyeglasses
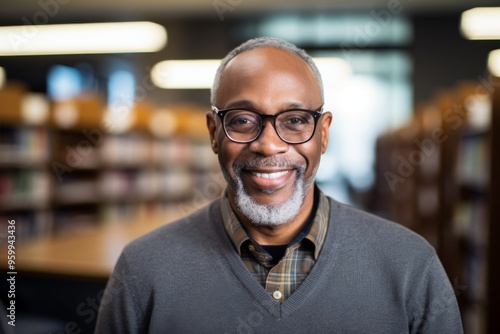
{"points": [[294, 126]]}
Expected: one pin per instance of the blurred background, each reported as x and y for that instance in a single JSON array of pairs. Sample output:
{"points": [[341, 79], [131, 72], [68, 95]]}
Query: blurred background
{"points": [[103, 138]]}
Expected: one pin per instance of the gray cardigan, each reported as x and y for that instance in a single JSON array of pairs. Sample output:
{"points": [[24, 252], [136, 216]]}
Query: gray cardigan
{"points": [[372, 276]]}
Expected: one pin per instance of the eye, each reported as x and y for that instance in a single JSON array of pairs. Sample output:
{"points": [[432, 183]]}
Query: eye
{"points": [[295, 119], [242, 120]]}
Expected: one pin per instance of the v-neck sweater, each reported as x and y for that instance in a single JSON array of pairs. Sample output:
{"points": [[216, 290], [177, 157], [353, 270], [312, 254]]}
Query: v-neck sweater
{"points": [[372, 276]]}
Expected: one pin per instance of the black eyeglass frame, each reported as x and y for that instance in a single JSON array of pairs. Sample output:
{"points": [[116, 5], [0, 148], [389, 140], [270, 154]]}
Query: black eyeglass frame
{"points": [[316, 114]]}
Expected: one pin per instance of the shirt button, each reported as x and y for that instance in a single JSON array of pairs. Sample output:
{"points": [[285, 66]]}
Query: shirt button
{"points": [[277, 295]]}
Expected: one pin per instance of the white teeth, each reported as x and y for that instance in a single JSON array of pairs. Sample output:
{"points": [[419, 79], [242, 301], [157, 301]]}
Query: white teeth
{"points": [[271, 175]]}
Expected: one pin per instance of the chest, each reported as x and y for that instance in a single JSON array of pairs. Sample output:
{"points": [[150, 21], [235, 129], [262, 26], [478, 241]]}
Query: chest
{"points": [[228, 300]]}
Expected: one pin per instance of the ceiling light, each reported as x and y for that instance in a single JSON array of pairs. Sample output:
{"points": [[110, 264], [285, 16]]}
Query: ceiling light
{"points": [[481, 23], [200, 74], [118, 37], [185, 74], [494, 62]]}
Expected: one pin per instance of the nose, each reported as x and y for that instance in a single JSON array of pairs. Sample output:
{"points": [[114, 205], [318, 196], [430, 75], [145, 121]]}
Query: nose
{"points": [[268, 143]]}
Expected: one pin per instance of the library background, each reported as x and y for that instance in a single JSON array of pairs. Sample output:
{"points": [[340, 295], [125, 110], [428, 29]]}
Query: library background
{"points": [[102, 143]]}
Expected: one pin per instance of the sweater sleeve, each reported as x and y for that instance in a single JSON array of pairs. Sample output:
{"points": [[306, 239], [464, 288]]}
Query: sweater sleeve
{"points": [[119, 310], [433, 306]]}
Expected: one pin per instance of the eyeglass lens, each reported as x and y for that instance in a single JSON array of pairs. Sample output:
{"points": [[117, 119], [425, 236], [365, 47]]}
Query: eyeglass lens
{"points": [[293, 126]]}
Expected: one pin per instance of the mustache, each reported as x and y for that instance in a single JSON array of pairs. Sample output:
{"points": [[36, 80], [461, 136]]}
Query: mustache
{"points": [[268, 162]]}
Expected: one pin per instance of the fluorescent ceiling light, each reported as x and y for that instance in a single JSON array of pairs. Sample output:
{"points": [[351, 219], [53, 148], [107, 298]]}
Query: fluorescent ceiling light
{"points": [[494, 62], [200, 74], [481, 23], [185, 74], [118, 37]]}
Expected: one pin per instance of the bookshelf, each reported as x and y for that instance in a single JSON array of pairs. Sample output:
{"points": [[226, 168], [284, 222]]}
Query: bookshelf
{"points": [[25, 183], [441, 184], [470, 209], [80, 167], [493, 275]]}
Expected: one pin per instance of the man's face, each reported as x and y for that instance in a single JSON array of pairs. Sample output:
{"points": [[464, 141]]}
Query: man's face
{"points": [[269, 80]]}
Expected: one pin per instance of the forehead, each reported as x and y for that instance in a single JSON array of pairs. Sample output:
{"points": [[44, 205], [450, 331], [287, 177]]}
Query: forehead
{"points": [[268, 73]]}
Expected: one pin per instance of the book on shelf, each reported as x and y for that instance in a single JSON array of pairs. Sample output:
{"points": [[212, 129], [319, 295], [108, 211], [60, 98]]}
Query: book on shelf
{"points": [[130, 185], [24, 189], [24, 145], [77, 191], [473, 164], [29, 224], [134, 150]]}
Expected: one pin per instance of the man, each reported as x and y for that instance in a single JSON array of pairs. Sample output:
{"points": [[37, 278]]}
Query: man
{"points": [[274, 254]]}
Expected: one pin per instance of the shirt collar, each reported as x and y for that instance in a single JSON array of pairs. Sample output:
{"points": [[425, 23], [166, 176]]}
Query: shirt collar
{"points": [[316, 233]]}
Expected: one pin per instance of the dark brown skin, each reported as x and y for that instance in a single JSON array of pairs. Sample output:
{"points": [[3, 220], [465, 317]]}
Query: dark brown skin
{"points": [[270, 80]]}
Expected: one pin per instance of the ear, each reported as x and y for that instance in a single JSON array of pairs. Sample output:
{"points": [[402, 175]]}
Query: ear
{"points": [[325, 121], [212, 130]]}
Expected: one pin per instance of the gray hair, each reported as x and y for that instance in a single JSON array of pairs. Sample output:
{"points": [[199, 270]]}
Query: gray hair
{"points": [[258, 43]]}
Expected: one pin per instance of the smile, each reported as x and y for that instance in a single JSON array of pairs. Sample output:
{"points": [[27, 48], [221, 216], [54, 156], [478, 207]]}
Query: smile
{"points": [[271, 176]]}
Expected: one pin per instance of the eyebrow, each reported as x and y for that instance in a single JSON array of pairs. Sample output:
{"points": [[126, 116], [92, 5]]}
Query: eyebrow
{"points": [[249, 104]]}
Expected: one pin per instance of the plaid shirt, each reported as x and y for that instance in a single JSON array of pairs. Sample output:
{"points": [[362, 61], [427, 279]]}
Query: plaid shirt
{"points": [[282, 279]]}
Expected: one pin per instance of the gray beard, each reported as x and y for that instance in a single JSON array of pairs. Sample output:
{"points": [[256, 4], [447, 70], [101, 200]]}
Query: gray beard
{"points": [[270, 215], [273, 215]]}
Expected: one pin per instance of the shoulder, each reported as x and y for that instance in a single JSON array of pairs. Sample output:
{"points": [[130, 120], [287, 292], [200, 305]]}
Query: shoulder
{"points": [[384, 250], [376, 234], [181, 236], [401, 263]]}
